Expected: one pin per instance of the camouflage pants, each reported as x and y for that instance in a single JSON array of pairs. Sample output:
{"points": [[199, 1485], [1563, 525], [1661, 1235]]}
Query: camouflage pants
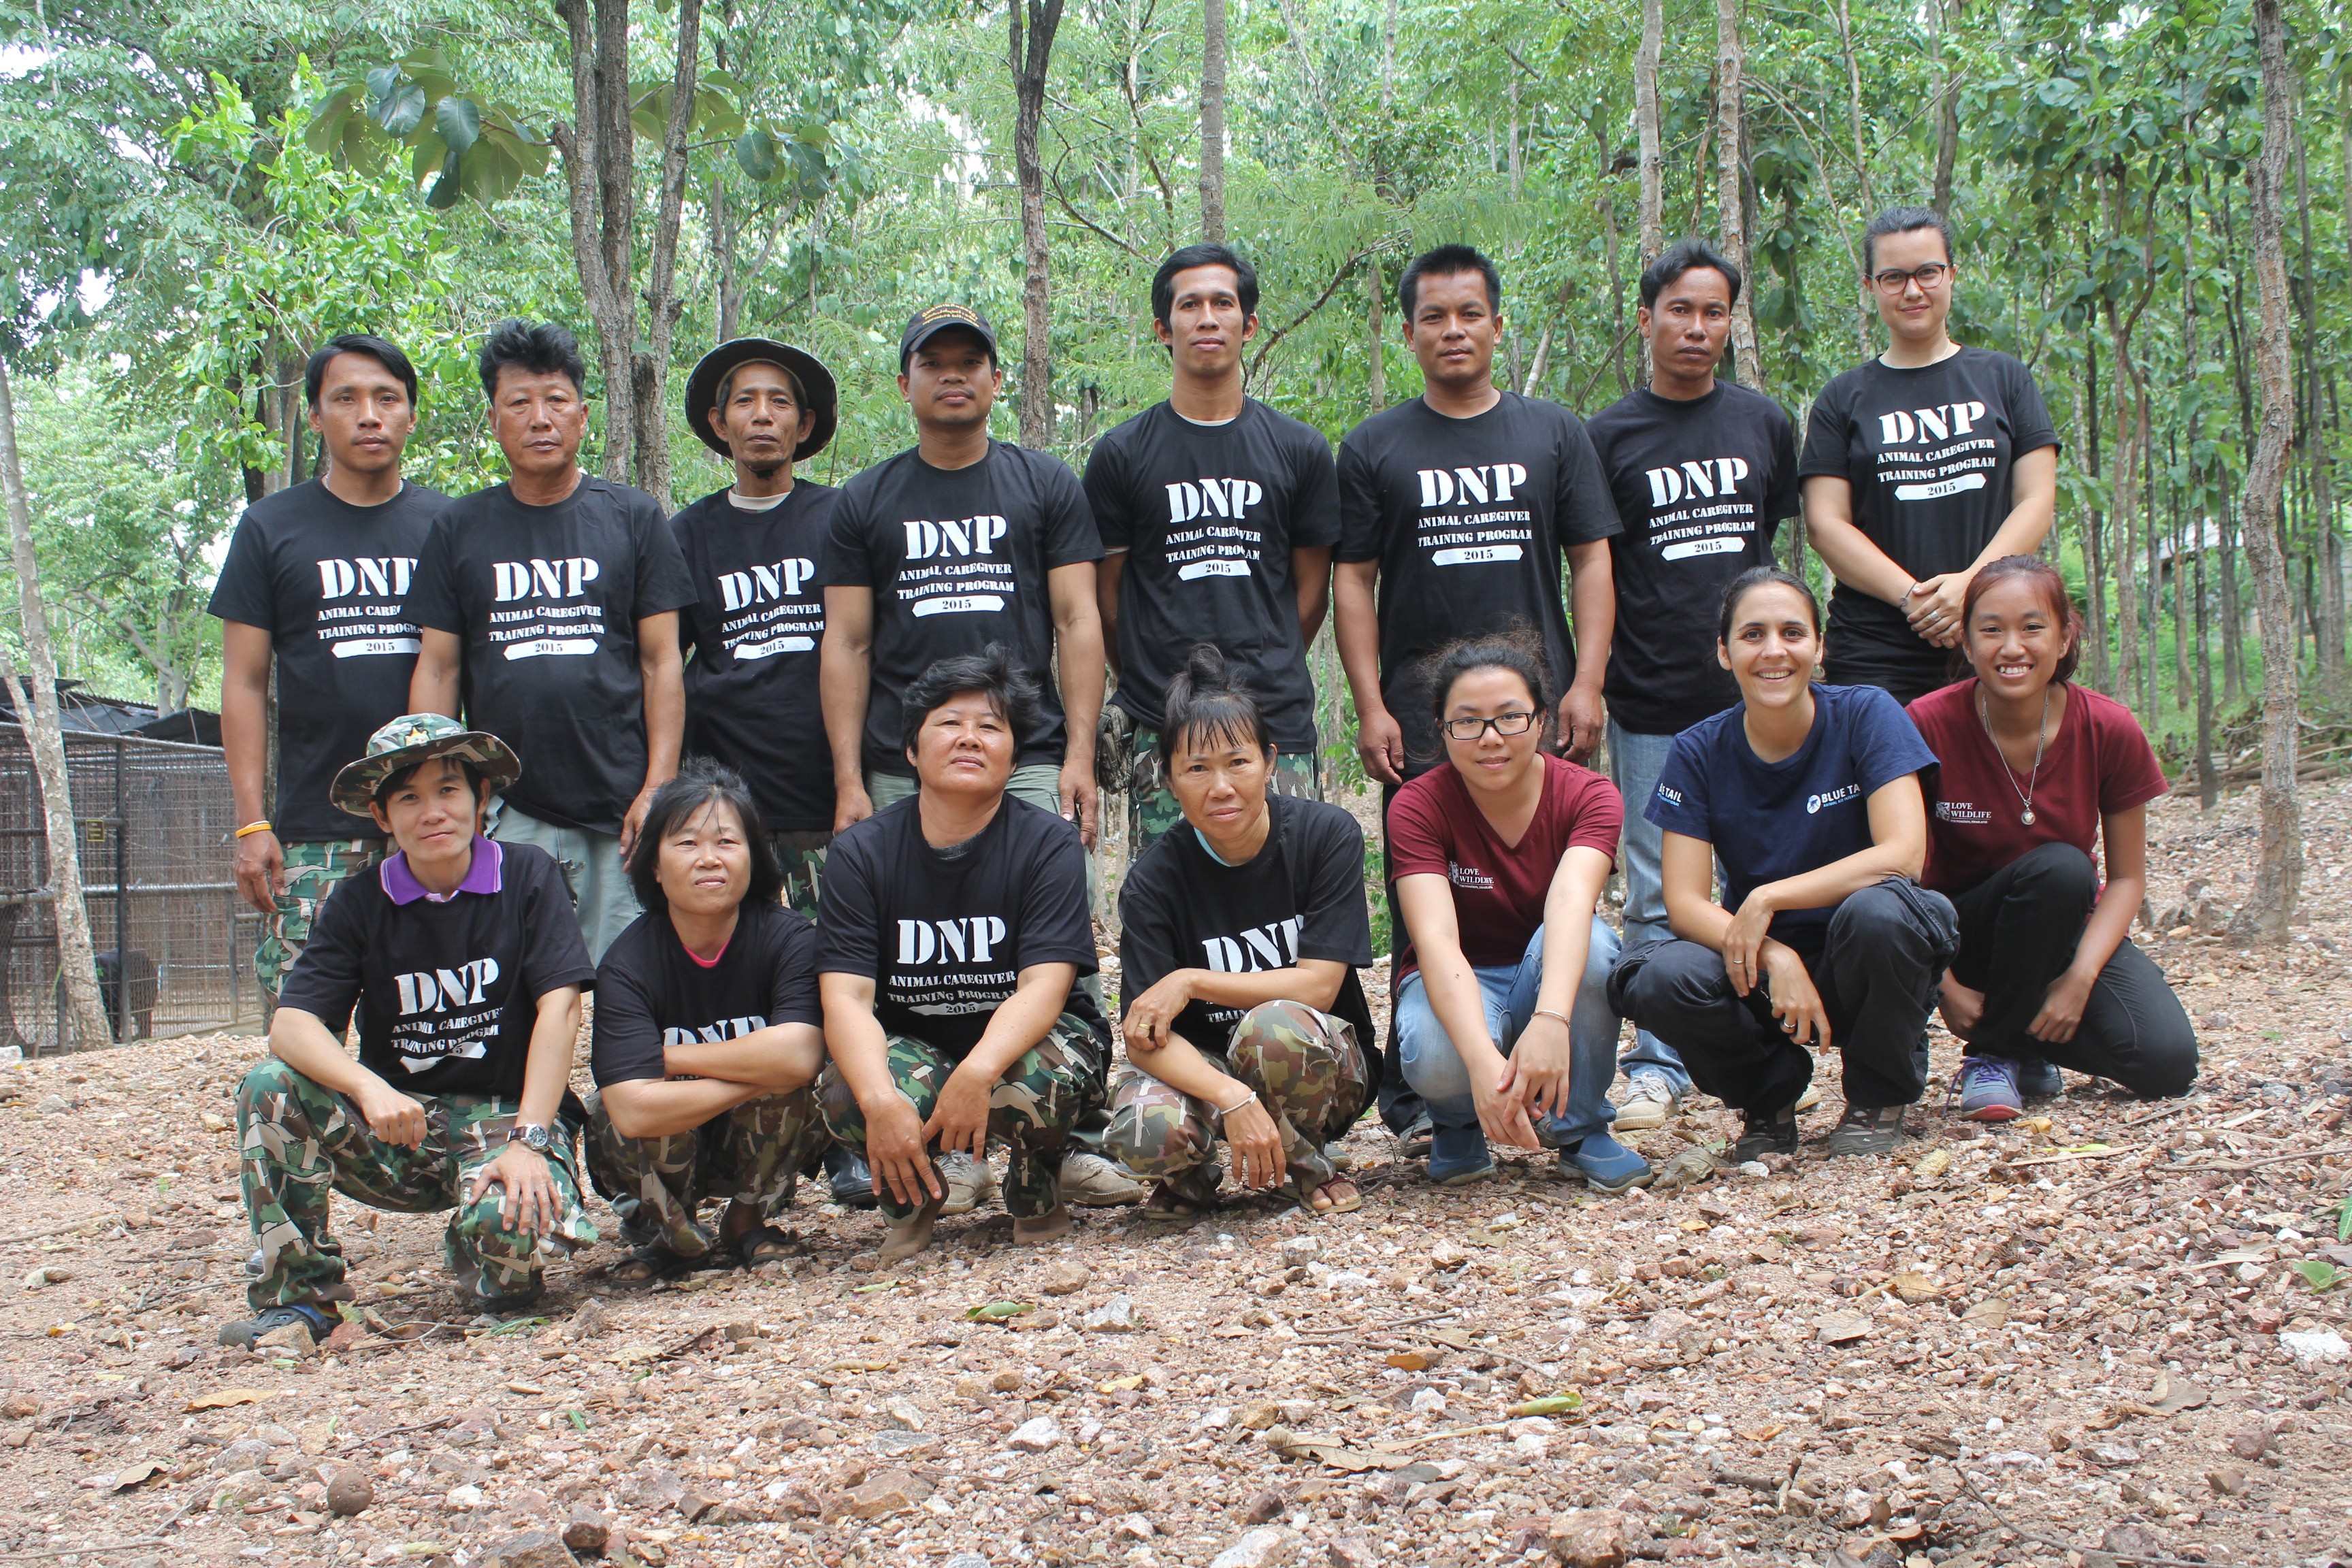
{"points": [[300, 1139], [801, 857], [1152, 808], [752, 1153], [1308, 1073], [312, 871], [1032, 1109]]}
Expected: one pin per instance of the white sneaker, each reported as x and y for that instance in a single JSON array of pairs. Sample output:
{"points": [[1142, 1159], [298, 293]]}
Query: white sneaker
{"points": [[970, 1183], [1650, 1099], [1810, 1097], [1092, 1181]]}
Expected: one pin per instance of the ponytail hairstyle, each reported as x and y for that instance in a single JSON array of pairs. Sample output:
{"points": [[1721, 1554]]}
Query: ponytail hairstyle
{"points": [[1514, 648], [2044, 577], [1756, 577], [1207, 707]]}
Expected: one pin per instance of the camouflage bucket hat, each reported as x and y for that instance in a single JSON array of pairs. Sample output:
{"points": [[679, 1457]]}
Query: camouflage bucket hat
{"points": [[415, 738]]}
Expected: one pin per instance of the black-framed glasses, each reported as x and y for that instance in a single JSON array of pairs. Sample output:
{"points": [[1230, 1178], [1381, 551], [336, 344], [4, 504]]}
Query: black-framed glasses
{"points": [[1928, 276], [1501, 723]]}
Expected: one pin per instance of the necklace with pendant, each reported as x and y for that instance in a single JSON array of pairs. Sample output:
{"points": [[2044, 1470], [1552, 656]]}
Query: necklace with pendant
{"points": [[2025, 796]]}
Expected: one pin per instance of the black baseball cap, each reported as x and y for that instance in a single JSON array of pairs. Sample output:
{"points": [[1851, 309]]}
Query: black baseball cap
{"points": [[928, 323], [815, 382]]}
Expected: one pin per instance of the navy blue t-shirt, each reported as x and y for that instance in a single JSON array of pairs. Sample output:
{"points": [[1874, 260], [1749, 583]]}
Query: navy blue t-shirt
{"points": [[1769, 821]]}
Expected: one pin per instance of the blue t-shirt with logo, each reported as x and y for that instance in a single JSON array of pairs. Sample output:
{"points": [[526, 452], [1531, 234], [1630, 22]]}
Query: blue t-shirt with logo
{"points": [[1769, 821]]}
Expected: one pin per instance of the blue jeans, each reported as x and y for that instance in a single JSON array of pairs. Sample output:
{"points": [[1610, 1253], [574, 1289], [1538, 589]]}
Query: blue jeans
{"points": [[1433, 1067], [1634, 763]]}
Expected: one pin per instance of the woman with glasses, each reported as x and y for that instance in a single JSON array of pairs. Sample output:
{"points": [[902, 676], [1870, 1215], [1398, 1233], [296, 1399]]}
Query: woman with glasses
{"points": [[1498, 856], [1920, 467]]}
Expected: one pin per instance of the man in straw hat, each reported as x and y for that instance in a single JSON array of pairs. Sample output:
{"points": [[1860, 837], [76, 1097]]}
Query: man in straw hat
{"points": [[465, 963]]}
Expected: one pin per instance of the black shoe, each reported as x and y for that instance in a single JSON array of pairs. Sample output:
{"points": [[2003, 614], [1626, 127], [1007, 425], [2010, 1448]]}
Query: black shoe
{"points": [[851, 1184], [1869, 1129], [1767, 1132], [242, 1332], [1414, 1143]]}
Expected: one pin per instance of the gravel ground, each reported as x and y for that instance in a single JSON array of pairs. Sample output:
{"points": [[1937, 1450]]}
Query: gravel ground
{"points": [[2086, 1330]]}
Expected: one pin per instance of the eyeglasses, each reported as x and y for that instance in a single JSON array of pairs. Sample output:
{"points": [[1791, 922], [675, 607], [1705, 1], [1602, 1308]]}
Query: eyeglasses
{"points": [[1929, 278], [1501, 723]]}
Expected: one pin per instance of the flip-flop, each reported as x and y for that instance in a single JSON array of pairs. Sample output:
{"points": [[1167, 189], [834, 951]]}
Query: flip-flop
{"points": [[762, 1245], [1169, 1204], [648, 1265], [1347, 1202]]}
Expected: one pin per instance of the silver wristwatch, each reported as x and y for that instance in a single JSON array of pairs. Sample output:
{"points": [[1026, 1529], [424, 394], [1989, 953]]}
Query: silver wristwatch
{"points": [[530, 1135]]}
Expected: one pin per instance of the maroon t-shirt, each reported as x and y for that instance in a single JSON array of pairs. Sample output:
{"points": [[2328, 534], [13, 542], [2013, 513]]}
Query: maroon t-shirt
{"points": [[1498, 887], [2099, 762]]}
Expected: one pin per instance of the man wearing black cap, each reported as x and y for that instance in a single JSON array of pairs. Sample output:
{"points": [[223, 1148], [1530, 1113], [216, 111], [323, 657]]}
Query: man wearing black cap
{"points": [[752, 550], [958, 543]]}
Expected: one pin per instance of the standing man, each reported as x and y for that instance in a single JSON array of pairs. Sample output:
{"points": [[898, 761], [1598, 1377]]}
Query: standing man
{"points": [[555, 597], [957, 544], [1455, 510], [1217, 517], [318, 577], [1702, 472], [752, 550]]}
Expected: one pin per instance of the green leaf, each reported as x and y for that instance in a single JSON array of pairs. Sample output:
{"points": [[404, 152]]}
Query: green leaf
{"points": [[579, 1421], [998, 1311], [2317, 1274], [445, 190], [755, 154], [1550, 1404], [460, 121], [395, 103]]}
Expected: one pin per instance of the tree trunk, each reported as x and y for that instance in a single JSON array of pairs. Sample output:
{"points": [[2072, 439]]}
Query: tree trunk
{"points": [[1030, 57], [723, 252], [598, 170], [1652, 219], [77, 960], [2089, 525], [651, 366], [2278, 868], [2328, 617], [1376, 388], [2124, 514], [1731, 216], [1212, 121], [1948, 109]]}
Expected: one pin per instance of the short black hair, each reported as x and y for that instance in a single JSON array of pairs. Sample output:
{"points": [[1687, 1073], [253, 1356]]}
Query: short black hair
{"points": [[1443, 262], [1514, 648], [1686, 256], [1012, 692], [547, 348], [1205, 703], [395, 782], [1902, 220], [1756, 577], [698, 784], [384, 351], [1163, 282]]}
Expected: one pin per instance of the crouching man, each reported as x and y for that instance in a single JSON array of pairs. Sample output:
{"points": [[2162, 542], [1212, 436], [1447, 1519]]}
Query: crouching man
{"points": [[708, 1037], [953, 931], [466, 965]]}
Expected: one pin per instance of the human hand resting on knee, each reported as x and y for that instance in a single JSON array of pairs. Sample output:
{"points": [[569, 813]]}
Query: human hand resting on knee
{"points": [[896, 1141], [1963, 1008], [528, 1201], [1795, 1002], [959, 1118], [1537, 1072], [391, 1116], [1254, 1140], [2061, 1007]]}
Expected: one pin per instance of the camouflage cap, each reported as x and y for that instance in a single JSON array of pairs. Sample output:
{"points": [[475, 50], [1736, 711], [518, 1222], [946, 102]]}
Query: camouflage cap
{"points": [[414, 738]]}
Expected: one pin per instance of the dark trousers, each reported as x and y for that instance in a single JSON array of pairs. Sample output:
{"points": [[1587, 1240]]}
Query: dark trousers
{"points": [[1399, 1106], [1876, 967], [2019, 930]]}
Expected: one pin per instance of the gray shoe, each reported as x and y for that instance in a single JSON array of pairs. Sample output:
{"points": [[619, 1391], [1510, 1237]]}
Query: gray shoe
{"points": [[1869, 1129], [1650, 1100], [970, 1183], [1092, 1181]]}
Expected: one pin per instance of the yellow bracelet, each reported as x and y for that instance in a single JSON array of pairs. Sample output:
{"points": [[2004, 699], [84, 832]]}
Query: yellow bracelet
{"points": [[261, 827]]}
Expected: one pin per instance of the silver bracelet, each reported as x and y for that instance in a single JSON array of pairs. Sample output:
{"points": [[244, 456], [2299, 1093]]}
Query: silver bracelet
{"points": [[1550, 1013], [1226, 1110]]}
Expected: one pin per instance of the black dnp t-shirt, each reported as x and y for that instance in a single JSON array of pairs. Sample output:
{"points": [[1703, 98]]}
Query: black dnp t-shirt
{"points": [[1930, 454], [1700, 487], [944, 936], [1468, 520], [751, 682], [1300, 897], [1208, 515], [652, 993], [446, 993], [957, 559], [547, 601], [330, 583]]}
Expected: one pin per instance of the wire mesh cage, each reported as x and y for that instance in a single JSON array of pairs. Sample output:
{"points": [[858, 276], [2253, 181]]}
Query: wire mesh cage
{"points": [[175, 940]]}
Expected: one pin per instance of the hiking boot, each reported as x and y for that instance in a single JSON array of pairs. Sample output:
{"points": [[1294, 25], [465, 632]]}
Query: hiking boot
{"points": [[1650, 1099], [1092, 1181], [847, 1179], [1988, 1089], [1458, 1156], [1414, 1143], [1606, 1165], [1869, 1129], [2039, 1080], [242, 1332], [970, 1183], [1767, 1132]]}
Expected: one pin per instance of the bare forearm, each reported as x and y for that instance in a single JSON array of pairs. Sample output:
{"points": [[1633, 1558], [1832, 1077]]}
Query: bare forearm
{"points": [[780, 1057], [433, 687], [1825, 886], [547, 1068], [245, 739], [1016, 1026], [657, 1108], [1316, 983], [1592, 600], [1574, 894], [1181, 1067], [2109, 924], [1079, 652], [665, 682], [844, 681], [305, 1043], [1853, 559], [1359, 633]]}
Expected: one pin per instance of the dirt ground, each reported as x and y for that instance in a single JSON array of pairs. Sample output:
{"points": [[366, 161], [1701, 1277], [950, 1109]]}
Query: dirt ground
{"points": [[2081, 1338]]}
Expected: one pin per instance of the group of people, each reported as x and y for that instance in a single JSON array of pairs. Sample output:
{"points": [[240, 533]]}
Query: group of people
{"points": [[804, 783]]}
